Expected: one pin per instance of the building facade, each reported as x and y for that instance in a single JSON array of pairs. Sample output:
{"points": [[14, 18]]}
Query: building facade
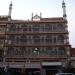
{"points": [[37, 46]]}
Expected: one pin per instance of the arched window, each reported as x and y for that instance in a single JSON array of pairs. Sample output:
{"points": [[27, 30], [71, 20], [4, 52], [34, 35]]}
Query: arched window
{"points": [[23, 50], [1, 53], [12, 27], [10, 51], [48, 39], [18, 28], [29, 28], [23, 39], [54, 27], [61, 27], [12, 37], [61, 51], [49, 50], [17, 39], [2, 29], [48, 27], [17, 51], [61, 39], [36, 39], [24, 27], [20, 51], [36, 27]]}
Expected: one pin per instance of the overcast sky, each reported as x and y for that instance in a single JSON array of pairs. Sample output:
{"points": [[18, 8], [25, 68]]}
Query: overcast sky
{"points": [[22, 9]]}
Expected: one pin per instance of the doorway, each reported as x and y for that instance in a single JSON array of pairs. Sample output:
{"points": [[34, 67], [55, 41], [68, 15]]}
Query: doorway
{"points": [[33, 71]]}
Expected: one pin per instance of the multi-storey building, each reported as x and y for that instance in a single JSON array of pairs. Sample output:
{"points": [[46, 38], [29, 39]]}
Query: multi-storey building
{"points": [[37, 46]]}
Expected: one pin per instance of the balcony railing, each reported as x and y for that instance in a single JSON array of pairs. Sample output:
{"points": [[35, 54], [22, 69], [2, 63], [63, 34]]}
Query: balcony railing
{"points": [[31, 58], [27, 32], [35, 43], [34, 56]]}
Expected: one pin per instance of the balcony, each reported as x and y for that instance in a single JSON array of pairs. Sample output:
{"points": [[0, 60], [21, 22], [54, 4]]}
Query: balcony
{"points": [[14, 43], [38, 32], [33, 58], [35, 55]]}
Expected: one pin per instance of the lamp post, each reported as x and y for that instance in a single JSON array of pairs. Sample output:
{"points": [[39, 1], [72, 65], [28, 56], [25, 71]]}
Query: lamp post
{"points": [[4, 58], [6, 65], [6, 70], [68, 54], [5, 49], [36, 51], [4, 54], [68, 65]]}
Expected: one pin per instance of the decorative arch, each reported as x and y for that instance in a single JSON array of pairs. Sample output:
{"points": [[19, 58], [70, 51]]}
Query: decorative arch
{"points": [[61, 51], [24, 27], [48, 39], [23, 38], [61, 38], [36, 39], [12, 27], [36, 27], [61, 27]]}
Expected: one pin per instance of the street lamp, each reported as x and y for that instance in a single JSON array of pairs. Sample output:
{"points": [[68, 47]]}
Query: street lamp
{"points": [[36, 51], [5, 49], [6, 70], [68, 54], [6, 66], [4, 55]]}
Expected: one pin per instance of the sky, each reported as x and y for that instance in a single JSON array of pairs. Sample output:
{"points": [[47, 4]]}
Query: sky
{"points": [[22, 9]]}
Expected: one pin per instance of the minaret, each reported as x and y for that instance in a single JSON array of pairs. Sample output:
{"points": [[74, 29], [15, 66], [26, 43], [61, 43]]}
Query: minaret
{"points": [[40, 15], [64, 10], [32, 16], [10, 10]]}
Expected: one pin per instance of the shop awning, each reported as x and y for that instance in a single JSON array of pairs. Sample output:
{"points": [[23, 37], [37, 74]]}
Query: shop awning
{"points": [[51, 63]]}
